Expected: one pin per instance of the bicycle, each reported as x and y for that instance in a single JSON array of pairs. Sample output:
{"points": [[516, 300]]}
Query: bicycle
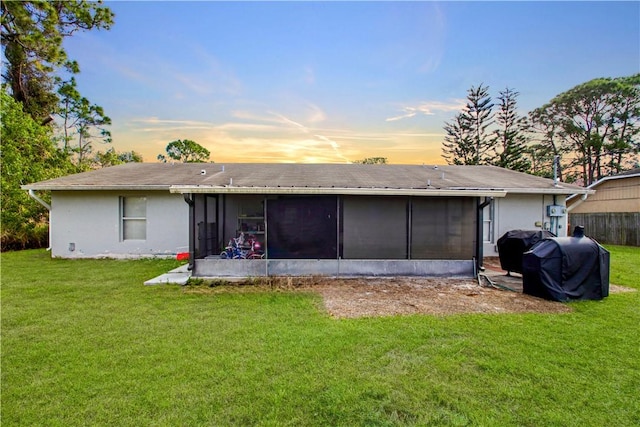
{"points": [[239, 248]]}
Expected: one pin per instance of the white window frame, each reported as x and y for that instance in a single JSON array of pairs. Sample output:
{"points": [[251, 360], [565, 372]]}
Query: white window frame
{"points": [[124, 219], [488, 220]]}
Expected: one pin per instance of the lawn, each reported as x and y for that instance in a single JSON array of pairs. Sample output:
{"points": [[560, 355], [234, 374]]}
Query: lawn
{"points": [[85, 343]]}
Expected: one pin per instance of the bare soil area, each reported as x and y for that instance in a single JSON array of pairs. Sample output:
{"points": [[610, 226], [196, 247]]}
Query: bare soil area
{"points": [[403, 296], [371, 297]]}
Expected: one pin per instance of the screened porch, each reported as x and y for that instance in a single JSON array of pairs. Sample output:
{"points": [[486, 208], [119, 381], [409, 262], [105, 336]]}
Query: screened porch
{"points": [[335, 235]]}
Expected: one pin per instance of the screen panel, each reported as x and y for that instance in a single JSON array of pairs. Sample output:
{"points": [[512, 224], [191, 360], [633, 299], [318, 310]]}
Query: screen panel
{"points": [[302, 227], [374, 227], [443, 228]]}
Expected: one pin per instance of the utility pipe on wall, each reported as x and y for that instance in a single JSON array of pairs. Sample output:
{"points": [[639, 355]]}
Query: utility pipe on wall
{"points": [[189, 199], [578, 203], [35, 197]]}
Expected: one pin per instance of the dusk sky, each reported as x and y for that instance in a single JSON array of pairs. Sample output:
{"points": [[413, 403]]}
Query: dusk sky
{"points": [[335, 82]]}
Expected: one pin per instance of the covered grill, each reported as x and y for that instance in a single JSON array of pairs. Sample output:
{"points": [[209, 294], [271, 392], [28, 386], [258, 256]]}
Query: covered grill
{"points": [[566, 268], [514, 243]]}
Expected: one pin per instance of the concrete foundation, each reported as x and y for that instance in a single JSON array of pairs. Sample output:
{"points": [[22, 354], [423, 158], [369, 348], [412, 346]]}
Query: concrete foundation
{"points": [[335, 268]]}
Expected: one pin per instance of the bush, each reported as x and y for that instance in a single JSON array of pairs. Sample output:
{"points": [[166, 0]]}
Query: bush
{"points": [[28, 155]]}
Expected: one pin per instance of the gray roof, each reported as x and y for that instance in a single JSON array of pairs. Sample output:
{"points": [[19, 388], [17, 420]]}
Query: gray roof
{"points": [[631, 172], [309, 179]]}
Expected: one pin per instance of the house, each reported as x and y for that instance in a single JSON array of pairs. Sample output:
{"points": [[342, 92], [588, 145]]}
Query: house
{"points": [[612, 214], [309, 219]]}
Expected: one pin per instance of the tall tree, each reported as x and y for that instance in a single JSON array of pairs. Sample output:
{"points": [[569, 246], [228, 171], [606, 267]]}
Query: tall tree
{"points": [[34, 58], [599, 122], [510, 137], [28, 155], [541, 160], [550, 145], [83, 122], [32, 41], [468, 139], [458, 146], [185, 151]]}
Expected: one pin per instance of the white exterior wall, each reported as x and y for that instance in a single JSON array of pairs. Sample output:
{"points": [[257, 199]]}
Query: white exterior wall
{"points": [[91, 221], [524, 212]]}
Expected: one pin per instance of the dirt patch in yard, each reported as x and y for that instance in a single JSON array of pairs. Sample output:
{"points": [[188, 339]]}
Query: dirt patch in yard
{"points": [[369, 297], [348, 298], [372, 297], [404, 296]]}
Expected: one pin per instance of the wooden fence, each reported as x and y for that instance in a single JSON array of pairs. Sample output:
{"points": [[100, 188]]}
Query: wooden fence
{"points": [[615, 228]]}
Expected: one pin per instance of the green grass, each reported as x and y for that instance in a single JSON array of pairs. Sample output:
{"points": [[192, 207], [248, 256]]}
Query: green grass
{"points": [[85, 343], [625, 265]]}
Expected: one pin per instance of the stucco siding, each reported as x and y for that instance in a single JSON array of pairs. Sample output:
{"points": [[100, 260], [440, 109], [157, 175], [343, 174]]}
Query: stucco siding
{"points": [[87, 224], [524, 212]]}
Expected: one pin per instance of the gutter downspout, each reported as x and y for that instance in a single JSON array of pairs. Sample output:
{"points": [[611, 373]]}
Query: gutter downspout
{"points": [[192, 249], [35, 197], [479, 236], [578, 203]]}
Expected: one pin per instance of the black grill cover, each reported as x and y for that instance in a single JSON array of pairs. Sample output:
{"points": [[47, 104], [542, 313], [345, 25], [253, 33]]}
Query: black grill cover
{"points": [[566, 268], [514, 243]]}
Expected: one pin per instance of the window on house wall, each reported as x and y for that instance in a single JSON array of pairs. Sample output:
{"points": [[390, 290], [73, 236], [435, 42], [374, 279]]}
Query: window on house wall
{"points": [[487, 223], [133, 218]]}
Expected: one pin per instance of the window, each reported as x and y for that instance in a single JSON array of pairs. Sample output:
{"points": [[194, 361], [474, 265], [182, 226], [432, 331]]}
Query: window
{"points": [[487, 223], [134, 218]]}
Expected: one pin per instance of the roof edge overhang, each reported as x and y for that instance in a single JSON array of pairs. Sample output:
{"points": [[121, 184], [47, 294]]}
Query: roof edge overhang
{"points": [[196, 189], [614, 177], [552, 191], [95, 187], [182, 189]]}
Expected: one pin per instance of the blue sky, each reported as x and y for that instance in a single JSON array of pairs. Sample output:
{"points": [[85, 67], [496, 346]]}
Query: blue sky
{"points": [[335, 81]]}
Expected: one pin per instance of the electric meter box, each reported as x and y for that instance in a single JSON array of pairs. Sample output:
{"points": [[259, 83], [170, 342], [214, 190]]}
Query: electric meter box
{"points": [[556, 210]]}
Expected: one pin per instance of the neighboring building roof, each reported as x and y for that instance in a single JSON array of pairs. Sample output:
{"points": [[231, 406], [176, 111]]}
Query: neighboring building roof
{"points": [[305, 178], [626, 174]]}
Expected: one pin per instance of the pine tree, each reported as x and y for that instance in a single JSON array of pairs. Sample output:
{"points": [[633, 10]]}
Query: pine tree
{"points": [[479, 114], [510, 138], [458, 146], [32, 40], [468, 140]]}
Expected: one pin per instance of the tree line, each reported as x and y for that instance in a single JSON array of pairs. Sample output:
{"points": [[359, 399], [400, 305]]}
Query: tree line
{"points": [[49, 129], [588, 132]]}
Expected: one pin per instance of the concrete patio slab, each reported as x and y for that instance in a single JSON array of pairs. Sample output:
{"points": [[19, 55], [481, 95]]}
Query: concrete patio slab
{"points": [[177, 276]]}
